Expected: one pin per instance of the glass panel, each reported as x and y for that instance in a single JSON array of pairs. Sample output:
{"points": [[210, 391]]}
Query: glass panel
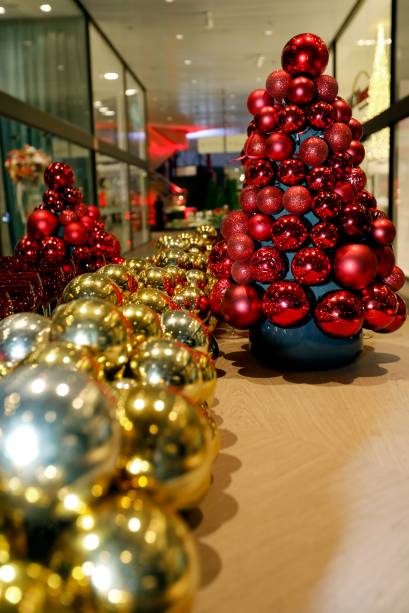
{"points": [[43, 58], [376, 166], [402, 49], [136, 117], [401, 211], [113, 198], [330, 66], [363, 59], [108, 92], [139, 205]]}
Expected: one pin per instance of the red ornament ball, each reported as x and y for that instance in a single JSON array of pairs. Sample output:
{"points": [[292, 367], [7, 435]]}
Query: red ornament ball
{"points": [[52, 201], [251, 127], [241, 272], [310, 266], [219, 262], [343, 110], [297, 200], [356, 128], [259, 227], [266, 119], [234, 223], [81, 209], [355, 266], [259, 172], [240, 247], [338, 136], [305, 54], [357, 152], [378, 214], [70, 195], [241, 306], [93, 211], [52, 250], [67, 217], [279, 147], [366, 199], [380, 306], [324, 235], [257, 99], [327, 87], [396, 280], [270, 200], [291, 118], [291, 171], [255, 147], [386, 261], [326, 205], [27, 249], [357, 178], [41, 223], [277, 84], [354, 220], [321, 178], [321, 115], [341, 164], [248, 201], [314, 151], [344, 190], [339, 314], [383, 232], [76, 234], [88, 222], [288, 233], [301, 90], [112, 245], [286, 304], [58, 174], [217, 294], [267, 265], [399, 318]]}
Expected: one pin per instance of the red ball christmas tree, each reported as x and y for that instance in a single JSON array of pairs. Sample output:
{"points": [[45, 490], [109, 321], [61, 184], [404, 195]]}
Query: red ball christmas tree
{"points": [[309, 252]]}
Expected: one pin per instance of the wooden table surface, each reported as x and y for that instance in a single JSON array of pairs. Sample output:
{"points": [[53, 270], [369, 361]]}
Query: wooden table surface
{"points": [[309, 508]]}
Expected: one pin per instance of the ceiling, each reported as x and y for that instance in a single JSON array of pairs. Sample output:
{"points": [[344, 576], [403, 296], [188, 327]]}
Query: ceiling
{"points": [[231, 45]]}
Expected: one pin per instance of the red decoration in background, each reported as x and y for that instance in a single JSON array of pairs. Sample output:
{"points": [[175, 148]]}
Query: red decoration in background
{"points": [[286, 303], [28, 249], [355, 266], [52, 250], [76, 234], [339, 314], [58, 175], [241, 306], [277, 84], [219, 262], [305, 54]]}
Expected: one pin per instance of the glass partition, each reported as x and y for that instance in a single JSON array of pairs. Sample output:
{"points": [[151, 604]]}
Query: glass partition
{"points": [[402, 49], [401, 213], [113, 198], [376, 166], [136, 117], [139, 205]]}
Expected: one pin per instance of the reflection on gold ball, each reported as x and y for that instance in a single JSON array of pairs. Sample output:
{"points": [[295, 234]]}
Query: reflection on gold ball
{"points": [[192, 299], [91, 285], [119, 274], [132, 555], [185, 328], [27, 587], [178, 274], [208, 375], [20, 335], [196, 278], [157, 278], [207, 414], [135, 265], [122, 387], [196, 260], [155, 299], [144, 321], [198, 242], [67, 354], [207, 231], [169, 241], [172, 255]]}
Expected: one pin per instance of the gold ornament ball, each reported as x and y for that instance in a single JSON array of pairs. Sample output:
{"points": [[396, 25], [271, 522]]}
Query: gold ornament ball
{"points": [[196, 278], [121, 388], [186, 328], [27, 587], [155, 299], [130, 555], [135, 265], [177, 274], [119, 274], [91, 285], [144, 321], [196, 242], [207, 414], [196, 260], [20, 335], [208, 375], [192, 299], [169, 241], [98, 325], [157, 278], [172, 255], [207, 232], [66, 354]]}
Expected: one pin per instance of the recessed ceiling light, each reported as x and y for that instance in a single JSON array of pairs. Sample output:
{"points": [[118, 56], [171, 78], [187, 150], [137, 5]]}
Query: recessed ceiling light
{"points": [[258, 79], [194, 81], [169, 117], [188, 62], [169, 1], [131, 92], [97, 104], [46, 8], [111, 76], [2, 10], [103, 109], [109, 113], [268, 32], [179, 36], [60, 67]]}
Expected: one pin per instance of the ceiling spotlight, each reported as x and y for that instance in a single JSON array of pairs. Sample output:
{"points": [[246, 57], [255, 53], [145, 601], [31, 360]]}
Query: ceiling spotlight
{"points": [[194, 81], [188, 62], [169, 118], [209, 20], [179, 36], [97, 104], [268, 32], [109, 113], [2, 10], [103, 109], [131, 92], [260, 61], [169, 1], [46, 8], [258, 79], [111, 76]]}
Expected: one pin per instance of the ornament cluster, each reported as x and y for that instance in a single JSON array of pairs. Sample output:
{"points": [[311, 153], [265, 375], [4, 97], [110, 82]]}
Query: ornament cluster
{"points": [[309, 241], [107, 434]]}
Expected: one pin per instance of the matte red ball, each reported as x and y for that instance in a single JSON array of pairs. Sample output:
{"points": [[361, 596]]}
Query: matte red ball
{"points": [[341, 164], [338, 136], [255, 147], [259, 172], [339, 314], [357, 152], [240, 247], [356, 128], [326, 205], [324, 235], [52, 200], [327, 87], [257, 99], [396, 280], [288, 233], [310, 266], [81, 209], [241, 272], [305, 54], [52, 250], [234, 223], [58, 174], [366, 199], [286, 304], [67, 217], [27, 249], [380, 306], [217, 294], [321, 115], [266, 119], [355, 266], [357, 178], [291, 171], [342, 109], [277, 84], [297, 200], [321, 178], [301, 90], [314, 151], [241, 306], [93, 211], [399, 318], [248, 201], [41, 223], [270, 200], [383, 232], [219, 262], [267, 265], [88, 222], [291, 118], [279, 146], [386, 261], [355, 220], [344, 190], [259, 227], [75, 234]]}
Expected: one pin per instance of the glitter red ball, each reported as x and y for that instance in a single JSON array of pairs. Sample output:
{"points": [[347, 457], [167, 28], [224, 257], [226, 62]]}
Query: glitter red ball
{"points": [[270, 200], [277, 84], [327, 87], [297, 200], [314, 151], [338, 136], [248, 201], [234, 223]]}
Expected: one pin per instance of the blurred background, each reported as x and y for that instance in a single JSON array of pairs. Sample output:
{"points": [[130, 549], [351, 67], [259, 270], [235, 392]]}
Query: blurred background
{"points": [[146, 99]]}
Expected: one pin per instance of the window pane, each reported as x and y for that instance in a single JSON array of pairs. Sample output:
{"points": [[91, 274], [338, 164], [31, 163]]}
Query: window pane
{"points": [[136, 117], [363, 60], [401, 212], [376, 166], [139, 206], [42, 59], [108, 92], [113, 198], [402, 49]]}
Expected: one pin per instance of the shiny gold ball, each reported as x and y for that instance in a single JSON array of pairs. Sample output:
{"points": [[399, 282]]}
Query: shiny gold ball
{"points": [[165, 362], [20, 335], [170, 240], [196, 260], [91, 285], [178, 274], [196, 278], [186, 328], [119, 274], [207, 414], [207, 232], [155, 299], [59, 353], [166, 446], [157, 278], [172, 255], [130, 555], [197, 242], [144, 321], [59, 438], [27, 587], [98, 325], [185, 236], [208, 375], [192, 299], [122, 387], [212, 322], [135, 265]]}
